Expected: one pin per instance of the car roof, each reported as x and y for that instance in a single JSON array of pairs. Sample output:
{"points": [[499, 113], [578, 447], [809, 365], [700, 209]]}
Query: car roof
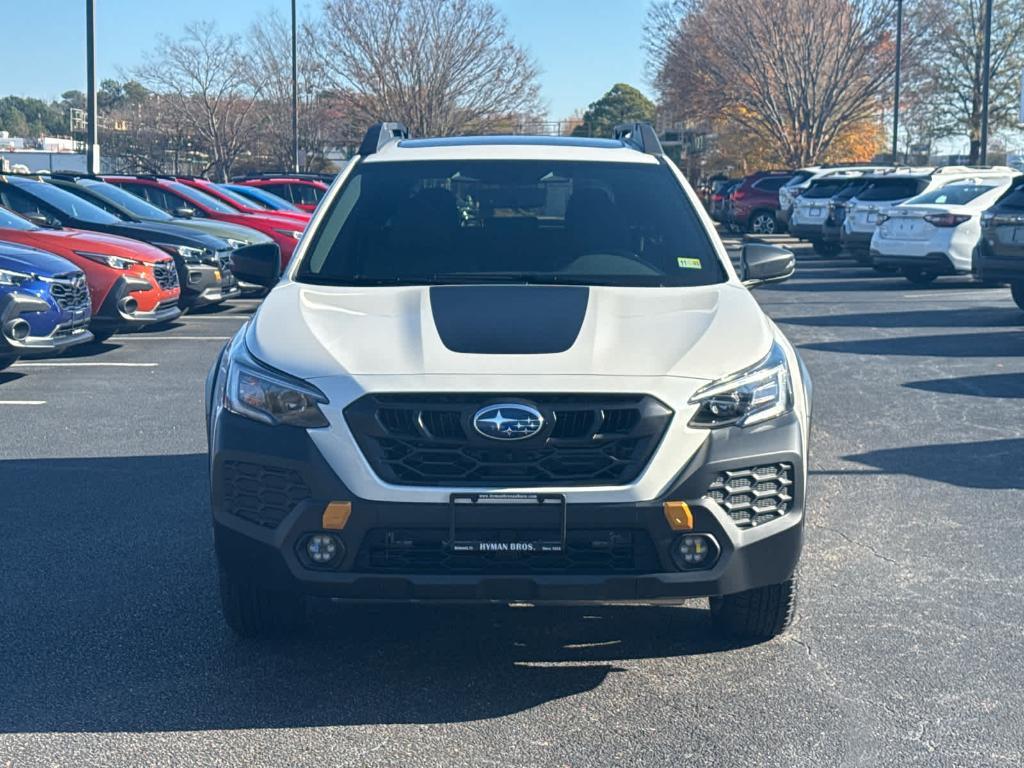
{"points": [[568, 148]]}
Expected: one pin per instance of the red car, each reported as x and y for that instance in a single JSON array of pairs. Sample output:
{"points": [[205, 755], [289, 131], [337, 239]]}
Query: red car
{"points": [[241, 203], [303, 190], [132, 284], [755, 200], [179, 199]]}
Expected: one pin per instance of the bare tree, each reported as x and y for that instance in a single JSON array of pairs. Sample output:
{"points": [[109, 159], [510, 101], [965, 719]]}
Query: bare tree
{"points": [[796, 74], [440, 66], [946, 74], [320, 128], [204, 77]]}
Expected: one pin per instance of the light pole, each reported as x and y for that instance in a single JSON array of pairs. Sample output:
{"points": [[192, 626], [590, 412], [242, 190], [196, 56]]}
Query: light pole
{"points": [[295, 93], [896, 95], [92, 142], [985, 76]]}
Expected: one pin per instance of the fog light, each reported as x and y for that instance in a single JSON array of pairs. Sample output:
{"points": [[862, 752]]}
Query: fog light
{"points": [[695, 550], [322, 548]]}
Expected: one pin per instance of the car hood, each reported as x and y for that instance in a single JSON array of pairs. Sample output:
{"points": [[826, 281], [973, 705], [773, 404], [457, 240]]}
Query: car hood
{"points": [[21, 258], [166, 232], [224, 229], [95, 242], [477, 330]]}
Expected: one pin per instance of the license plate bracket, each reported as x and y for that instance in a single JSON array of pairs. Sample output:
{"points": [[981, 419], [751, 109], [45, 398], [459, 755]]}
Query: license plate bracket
{"points": [[478, 545]]}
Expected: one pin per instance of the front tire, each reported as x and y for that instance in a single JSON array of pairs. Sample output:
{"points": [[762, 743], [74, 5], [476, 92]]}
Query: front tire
{"points": [[251, 611], [1017, 291], [918, 276], [757, 614], [763, 223]]}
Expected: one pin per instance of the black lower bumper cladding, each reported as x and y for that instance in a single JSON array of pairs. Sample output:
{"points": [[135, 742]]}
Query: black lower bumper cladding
{"points": [[270, 485]]}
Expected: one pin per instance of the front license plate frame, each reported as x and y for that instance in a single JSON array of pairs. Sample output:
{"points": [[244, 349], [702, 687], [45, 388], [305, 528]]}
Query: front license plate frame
{"points": [[525, 546]]}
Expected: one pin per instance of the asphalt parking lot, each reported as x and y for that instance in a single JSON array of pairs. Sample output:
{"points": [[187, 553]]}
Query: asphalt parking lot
{"points": [[906, 651]]}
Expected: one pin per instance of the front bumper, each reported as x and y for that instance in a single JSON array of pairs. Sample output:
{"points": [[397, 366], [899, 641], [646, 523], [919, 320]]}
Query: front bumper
{"points": [[69, 328], [270, 553], [203, 285], [112, 316]]}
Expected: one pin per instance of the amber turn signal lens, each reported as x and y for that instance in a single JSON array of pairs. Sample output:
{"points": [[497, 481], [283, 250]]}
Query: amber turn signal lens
{"points": [[679, 516], [336, 515]]}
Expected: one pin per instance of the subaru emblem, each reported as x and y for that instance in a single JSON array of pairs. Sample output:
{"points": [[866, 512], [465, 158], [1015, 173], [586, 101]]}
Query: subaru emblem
{"points": [[508, 421]]}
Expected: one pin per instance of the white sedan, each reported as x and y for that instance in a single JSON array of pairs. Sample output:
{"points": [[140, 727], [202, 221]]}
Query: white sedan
{"points": [[936, 232]]}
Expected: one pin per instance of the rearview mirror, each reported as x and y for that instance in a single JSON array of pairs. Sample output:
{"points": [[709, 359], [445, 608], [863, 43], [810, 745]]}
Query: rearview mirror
{"points": [[184, 212], [42, 220], [259, 266], [761, 263]]}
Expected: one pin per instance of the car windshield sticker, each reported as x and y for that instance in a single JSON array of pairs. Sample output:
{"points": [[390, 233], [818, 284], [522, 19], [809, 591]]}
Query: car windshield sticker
{"points": [[685, 263]]}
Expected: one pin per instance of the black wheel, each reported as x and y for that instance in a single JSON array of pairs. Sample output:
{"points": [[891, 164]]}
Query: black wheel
{"points": [[251, 611], [763, 223], [6, 361], [100, 336], [918, 276], [827, 250], [1017, 290], [884, 269], [757, 614]]}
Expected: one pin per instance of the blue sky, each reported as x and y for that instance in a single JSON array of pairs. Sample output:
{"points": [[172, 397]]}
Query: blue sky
{"points": [[582, 46]]}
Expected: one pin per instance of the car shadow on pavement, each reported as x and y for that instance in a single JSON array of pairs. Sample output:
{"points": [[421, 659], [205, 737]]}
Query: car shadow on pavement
{"points": [[109, 621], [1000, 385], [973, 317], [1003, 344], [6, 377], [986, 464]]}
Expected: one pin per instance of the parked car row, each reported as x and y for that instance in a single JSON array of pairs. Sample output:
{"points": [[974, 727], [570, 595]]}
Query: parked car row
{"points": [[921, 222], [84, 257]]}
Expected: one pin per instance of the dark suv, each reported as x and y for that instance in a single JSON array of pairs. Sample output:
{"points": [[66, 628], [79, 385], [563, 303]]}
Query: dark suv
{"points": [[755, 201], [1000, 254]]}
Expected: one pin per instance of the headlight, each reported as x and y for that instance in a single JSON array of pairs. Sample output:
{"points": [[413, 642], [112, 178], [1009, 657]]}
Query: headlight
{"points": [[293, 233], [235, 244], [189, 254], [748, 397], [115, 262], [7, 277], [258, 393]]}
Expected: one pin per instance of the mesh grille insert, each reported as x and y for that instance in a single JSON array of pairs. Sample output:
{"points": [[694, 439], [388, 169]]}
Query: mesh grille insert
{"points": [[261, 494], [754, 495]]}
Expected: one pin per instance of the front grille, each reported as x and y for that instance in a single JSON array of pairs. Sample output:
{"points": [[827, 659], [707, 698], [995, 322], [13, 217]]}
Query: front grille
{"points": [[71, 328], [70, 291], [429, 439], [166, 275], [754, 495], [261, 494], [424, 550]]}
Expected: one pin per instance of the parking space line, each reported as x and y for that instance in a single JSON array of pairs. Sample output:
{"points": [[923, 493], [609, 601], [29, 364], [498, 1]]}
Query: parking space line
{"points": [[154, 337], [22, 402], [49, 364], [189, 318]]}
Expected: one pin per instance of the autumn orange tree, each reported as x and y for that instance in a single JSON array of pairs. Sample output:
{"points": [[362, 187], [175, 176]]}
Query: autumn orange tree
{"points": [[799, 76]]}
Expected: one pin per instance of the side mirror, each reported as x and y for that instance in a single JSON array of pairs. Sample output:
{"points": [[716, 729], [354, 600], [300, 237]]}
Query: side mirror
{"points": [[42, 220], [761, 263], [184, 212], [260, 268]]}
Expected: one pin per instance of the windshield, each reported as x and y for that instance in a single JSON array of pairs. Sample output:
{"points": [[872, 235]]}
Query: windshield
{"points": [[10, 220], [125, 200], [269, 199], [198, 196], [472, 221], [954, 194], [824, 189], [67, 203], [241, 200], [890, 189]]}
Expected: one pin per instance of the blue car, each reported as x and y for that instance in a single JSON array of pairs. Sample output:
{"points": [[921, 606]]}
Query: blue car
{"points": [[262, 199], [44, 303]]}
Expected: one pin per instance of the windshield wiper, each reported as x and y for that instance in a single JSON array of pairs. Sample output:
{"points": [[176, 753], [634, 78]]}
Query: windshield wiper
{"points": [[509, 278]]}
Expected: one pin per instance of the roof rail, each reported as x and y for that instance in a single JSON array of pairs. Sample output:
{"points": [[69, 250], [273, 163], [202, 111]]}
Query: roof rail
{"points": [[380, 134], [325, 177], [640, 135]]}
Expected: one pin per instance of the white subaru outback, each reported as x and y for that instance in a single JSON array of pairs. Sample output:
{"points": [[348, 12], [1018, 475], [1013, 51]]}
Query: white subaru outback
{"points": [[511, 369]]}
